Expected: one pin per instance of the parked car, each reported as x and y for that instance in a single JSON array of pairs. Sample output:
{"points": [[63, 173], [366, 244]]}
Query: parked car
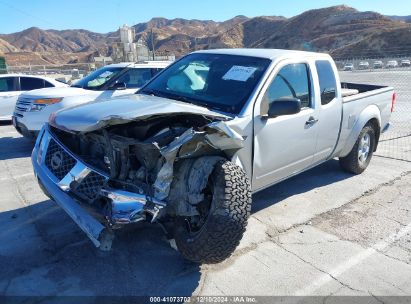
{"points": [[405, 63], [392, 64], [189, 148], [378, 64], [34, 108], [363, 65], [348, 67], [13, 85]]}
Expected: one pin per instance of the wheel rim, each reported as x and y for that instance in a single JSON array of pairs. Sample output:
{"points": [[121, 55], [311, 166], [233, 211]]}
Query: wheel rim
{"points": [[364, 148], [196, 223]]}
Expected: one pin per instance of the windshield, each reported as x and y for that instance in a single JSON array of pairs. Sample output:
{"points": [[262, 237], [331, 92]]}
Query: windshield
{"points": [[98, 78], [220, 82], [135, 78]]}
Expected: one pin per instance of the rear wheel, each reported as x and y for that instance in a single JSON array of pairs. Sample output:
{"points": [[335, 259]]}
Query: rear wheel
{"points": [[213, 234], [360, 155]]}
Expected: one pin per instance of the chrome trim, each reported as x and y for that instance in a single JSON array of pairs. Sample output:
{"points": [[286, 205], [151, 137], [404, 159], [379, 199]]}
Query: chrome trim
{"points": [[126, 207], [24, 104], [77, 174], [93, 228], [129, 207]]}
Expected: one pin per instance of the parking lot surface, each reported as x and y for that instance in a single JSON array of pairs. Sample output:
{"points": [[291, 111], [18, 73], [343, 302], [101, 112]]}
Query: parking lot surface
{"points": [[324, 232]]}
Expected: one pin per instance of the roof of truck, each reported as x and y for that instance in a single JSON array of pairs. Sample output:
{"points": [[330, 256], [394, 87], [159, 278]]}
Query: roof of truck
{"points": [[265, 53]]}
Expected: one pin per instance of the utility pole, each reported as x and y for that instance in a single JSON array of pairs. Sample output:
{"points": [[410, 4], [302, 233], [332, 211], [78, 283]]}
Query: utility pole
{"points": [[152, 44]]}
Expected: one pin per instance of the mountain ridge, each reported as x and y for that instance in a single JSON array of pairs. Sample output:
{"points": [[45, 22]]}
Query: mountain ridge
{"points": [[339, 30]]}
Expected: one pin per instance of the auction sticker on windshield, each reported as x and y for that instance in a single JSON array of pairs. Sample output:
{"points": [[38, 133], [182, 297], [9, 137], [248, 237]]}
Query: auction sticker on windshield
{"points": [[239, 73]]}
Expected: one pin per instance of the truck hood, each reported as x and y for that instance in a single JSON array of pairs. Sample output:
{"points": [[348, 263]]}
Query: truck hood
{"points": [[57, 92], [97, 115]]}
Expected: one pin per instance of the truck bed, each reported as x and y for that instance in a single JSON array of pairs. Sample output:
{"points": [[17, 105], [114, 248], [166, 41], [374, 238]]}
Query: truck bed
{"points": [[378, 97], [353, 91]]}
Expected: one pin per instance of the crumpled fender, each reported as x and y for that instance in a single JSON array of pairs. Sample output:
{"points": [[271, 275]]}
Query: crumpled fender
{"points": [[190, 181]]}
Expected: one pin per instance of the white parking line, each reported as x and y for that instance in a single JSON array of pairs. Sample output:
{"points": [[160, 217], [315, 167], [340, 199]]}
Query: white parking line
{"points": [[355, 260]]}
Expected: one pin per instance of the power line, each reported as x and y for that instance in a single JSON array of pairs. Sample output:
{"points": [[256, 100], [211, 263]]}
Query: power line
{"points": [[27, 14]]}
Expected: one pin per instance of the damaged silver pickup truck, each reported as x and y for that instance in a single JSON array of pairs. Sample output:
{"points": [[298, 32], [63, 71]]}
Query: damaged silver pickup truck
{"points": [[189, 149]]}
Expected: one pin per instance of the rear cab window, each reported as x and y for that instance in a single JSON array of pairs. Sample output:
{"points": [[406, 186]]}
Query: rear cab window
{"points": [[326, 78]]}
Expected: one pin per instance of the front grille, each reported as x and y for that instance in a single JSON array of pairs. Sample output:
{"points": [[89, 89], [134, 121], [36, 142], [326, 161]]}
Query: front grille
{"points": [[90, 186], [23, 104], [58, 161]]}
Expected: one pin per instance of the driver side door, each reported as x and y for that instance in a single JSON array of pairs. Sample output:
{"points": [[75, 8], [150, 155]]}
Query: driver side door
{"points": [[285, 145]]}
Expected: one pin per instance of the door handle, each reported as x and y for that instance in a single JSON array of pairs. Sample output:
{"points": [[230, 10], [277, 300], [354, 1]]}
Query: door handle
{"points": [[311, 121]]}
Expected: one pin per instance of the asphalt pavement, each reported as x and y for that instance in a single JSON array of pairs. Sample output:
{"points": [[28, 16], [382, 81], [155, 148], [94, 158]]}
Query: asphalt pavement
{"points": [[324, 232]]}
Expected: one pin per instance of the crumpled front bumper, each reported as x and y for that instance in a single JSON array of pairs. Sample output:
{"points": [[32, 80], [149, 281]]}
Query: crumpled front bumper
{"points": [[63, 177]]}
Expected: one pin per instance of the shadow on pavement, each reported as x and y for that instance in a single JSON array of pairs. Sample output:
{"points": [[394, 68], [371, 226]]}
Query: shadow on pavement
{"points": [[15, 147], [5, 122], [322, 175], [44, 253]]}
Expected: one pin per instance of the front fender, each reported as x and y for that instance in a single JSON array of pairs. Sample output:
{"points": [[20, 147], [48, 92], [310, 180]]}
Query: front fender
{"points": [[356, 125]]}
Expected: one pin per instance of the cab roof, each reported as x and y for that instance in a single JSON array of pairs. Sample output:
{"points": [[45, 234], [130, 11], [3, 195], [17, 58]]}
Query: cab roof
{"points": [[141, 64], [271, 54]]}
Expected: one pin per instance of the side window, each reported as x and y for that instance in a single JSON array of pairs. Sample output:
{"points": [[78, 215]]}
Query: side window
{"points": [[28, 83], [48, 84], [326, 77], [155, 71], [292, 81], [135, 78], [7, 84]]}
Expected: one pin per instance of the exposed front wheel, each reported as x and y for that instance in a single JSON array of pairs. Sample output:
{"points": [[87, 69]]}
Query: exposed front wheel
{"points": [[213, 234], [360, 155]]}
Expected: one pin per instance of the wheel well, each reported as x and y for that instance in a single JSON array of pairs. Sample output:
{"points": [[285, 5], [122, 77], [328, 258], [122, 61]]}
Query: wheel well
{"points": [[377, 130]]}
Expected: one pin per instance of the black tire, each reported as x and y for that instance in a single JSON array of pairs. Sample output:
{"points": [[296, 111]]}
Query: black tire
{"points": [[352, 162], [226, 221]]}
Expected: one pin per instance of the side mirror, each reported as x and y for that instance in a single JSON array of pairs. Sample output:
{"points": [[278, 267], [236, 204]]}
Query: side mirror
{"points": [[118, 86], [284, 106]]}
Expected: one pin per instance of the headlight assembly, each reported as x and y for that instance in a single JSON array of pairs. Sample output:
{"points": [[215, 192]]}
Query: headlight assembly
{"points": [[39, 104]]}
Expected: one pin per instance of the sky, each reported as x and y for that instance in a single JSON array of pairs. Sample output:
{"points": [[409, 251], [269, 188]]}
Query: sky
{"points": [[104, 16]]}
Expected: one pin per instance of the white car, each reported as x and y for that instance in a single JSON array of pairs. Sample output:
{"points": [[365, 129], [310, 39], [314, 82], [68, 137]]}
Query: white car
{"points": [[348, 67], [392, 64], [13, 85], [34, 108], [363, 65], [378, 64], [405, 63]]}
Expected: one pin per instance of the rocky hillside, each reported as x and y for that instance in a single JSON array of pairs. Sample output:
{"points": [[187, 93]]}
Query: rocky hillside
{"points": [[339, 30], [401, 18]]}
